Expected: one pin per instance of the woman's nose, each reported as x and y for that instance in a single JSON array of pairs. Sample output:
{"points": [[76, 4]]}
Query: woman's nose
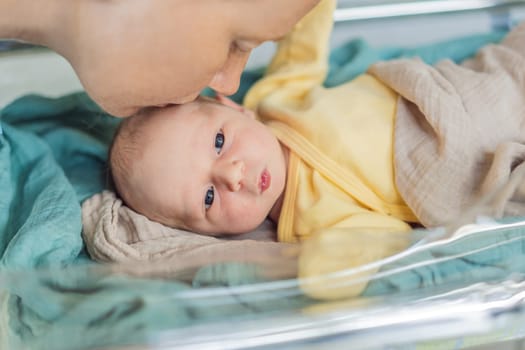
{"points": [[226, 81], [230, 174]]}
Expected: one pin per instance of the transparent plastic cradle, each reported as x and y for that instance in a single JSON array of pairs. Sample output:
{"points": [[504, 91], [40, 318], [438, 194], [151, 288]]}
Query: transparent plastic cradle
{"points": [[444, 292]]}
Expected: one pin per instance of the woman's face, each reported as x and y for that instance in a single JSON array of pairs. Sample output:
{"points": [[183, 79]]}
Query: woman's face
{"points": [[166, 51]]}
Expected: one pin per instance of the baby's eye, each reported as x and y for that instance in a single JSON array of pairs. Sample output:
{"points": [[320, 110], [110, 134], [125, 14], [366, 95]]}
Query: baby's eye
{"points": [[208, 198], [219, 141]]}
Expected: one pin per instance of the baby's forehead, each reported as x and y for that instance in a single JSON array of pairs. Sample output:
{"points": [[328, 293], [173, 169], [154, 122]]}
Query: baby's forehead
{"points": [[194, 109]]}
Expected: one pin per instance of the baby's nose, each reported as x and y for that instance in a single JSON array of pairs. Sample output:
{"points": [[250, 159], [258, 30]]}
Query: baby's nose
{"points": [[231, 175]]}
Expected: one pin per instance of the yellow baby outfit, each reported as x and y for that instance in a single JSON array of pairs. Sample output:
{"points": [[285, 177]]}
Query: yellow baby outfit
{"points": [[340, 171]]}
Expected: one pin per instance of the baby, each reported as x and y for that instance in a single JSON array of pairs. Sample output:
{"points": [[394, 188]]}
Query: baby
{"points": [[405, 143], [207, 166], [214, 167]]}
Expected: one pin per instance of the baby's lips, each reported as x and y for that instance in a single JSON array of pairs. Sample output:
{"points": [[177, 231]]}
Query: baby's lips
{"points": [[265, 180]]}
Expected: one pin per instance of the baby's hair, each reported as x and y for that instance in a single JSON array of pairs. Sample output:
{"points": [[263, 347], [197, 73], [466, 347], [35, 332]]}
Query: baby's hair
{"points": [[124, 149]]}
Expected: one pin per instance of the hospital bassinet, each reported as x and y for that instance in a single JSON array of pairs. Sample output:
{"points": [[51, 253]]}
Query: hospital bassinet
{"points": [[450, 289]]}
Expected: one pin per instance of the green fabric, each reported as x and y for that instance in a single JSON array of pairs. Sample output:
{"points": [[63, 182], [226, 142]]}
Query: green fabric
{"points": [[52, 157], [483, 256]]}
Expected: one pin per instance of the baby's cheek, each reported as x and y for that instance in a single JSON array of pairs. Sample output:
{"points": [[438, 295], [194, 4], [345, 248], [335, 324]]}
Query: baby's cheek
{"points": [[244, 215]]}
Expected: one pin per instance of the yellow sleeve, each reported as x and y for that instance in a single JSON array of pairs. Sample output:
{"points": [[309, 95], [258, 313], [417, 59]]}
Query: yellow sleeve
{"points": [[348, 245], [301, 60]]}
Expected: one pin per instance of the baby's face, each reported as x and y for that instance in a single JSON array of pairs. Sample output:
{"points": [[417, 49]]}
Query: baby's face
{"points": [[214, 168]]}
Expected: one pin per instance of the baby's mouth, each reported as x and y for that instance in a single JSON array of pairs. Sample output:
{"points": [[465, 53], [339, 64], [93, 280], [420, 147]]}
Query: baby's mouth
{"points": [[265, 180]]}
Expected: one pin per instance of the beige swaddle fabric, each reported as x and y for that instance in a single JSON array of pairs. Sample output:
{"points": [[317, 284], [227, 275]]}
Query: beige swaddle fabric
{"points": [[460, 129], [114, 233]]}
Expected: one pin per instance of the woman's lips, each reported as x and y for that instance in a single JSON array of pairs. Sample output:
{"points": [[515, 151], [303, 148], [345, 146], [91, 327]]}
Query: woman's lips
{"points": [[265, 181]]}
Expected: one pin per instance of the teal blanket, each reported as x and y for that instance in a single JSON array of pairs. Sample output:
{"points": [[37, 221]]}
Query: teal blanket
{"points": [[53, 154], [52, 157]]}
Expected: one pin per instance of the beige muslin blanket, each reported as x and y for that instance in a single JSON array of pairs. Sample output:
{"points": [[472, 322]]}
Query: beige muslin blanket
{"points": [[460, 129], [114, 233]]}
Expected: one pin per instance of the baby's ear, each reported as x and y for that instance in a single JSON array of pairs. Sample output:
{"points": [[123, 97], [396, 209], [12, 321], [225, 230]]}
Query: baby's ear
{"points": [[232, 104]]}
